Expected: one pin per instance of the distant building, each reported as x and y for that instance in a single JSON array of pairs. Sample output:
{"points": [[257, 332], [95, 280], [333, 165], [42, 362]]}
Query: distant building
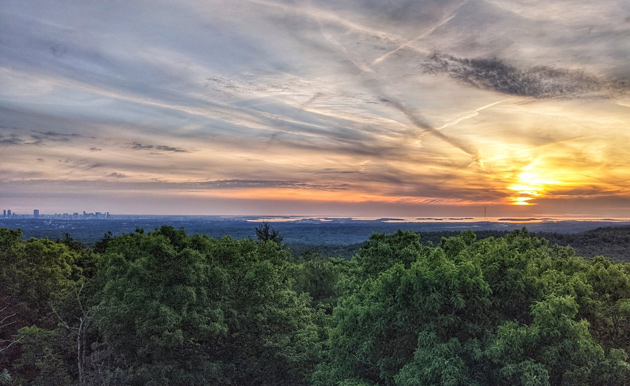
{"points": [[9, 213], [4, 213], [36, 213]]}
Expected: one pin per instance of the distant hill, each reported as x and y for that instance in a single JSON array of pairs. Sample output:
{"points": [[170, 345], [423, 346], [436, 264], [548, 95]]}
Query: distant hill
{"points": [[612, 242], [338, 237]]}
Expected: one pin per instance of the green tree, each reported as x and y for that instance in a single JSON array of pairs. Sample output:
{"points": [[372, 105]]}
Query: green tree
{"points": [[506, 311], [157, 310], [175, 309], [379, 321], [42, 362], [37, 279]]}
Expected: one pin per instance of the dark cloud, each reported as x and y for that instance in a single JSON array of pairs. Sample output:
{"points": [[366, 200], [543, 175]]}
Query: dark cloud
{"points": [[39, 138], [95, 149], [54, 134], [171, 148], [140, 146], [244, 184], [11, 140], [538, 82], [82, 164], [158, 184]]}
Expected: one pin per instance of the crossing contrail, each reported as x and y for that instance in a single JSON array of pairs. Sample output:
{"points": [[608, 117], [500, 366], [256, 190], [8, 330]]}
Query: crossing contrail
{"points": [[421, 36], [374, 83]]}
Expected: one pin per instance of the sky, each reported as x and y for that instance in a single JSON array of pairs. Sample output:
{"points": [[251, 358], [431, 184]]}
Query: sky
{"points": [[316, 107]]}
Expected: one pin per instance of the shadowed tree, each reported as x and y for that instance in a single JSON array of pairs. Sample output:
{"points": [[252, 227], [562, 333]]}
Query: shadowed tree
{"points": [[265, 232]]}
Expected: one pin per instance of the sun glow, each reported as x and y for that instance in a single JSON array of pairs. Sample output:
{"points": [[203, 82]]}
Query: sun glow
{"points": [[529, 186]]}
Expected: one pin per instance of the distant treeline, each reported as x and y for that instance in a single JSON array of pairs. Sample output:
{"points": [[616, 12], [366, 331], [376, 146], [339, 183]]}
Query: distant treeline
{"points": [[612, 242], [167, 308]]}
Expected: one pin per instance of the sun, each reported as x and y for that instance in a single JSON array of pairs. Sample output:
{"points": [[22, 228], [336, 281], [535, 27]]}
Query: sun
{"points": [[529, 185]]}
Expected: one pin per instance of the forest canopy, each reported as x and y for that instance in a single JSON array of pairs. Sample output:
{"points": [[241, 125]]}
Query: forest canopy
{"points": [[165, 307]]}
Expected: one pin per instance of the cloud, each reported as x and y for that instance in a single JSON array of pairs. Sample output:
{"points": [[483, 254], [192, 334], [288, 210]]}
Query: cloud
{"points": [[41, 138], [248, 184], [27, 127], [171, 149], [12, 139], [373, 82], [56, 135], [35, 139], [540, 82], [139, 146], [95, 165], [80, 164], [233, 184]]}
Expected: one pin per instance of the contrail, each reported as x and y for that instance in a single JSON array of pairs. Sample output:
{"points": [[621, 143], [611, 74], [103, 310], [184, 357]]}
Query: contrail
{"points": [[333, 41], [318, 14], [422, 36], [419, 123], [471, 115], [374, 83], [311, 99]]}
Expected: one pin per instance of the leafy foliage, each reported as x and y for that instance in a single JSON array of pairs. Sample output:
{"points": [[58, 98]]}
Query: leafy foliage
{"points": [[37, 280], [163, 307], [193, 310], [504, 311]]}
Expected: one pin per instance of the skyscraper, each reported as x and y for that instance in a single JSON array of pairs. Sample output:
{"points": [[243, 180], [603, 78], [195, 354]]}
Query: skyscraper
{"points": [[9, 213], [36, 213], [4, 213]]}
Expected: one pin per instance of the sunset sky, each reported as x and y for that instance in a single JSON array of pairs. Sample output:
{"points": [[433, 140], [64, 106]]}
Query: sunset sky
{"points": [[338, 108]]}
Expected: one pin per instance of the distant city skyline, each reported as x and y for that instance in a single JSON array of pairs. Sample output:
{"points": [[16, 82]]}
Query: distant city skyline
{"points": [[314, 107], [35, 213]]}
